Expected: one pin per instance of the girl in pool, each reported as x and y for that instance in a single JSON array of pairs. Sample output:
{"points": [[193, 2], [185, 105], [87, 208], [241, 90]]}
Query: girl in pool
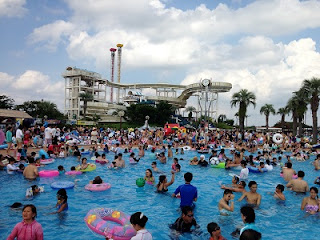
{"points": [[149, 178], [163, 184], [312, 203], [29, 228], [138, 221], [84, 164], [96, 180], [226, 204], [62, 203]]}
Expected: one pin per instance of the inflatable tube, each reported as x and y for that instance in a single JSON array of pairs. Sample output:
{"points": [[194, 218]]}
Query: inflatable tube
{"points": [[98, 187], [100, 161], [256, 170], [43, 152], [186, 148], [49, 173], [3, 146], [90, 168], [203, 151], [73, 173], [219, 165], [105, 221], [277, 138], [47, 161], [62, 184], [293, 177], [85, 153]]}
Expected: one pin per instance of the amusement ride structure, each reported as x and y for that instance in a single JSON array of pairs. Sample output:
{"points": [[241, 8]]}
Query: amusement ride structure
{"points": [[79, 81]]}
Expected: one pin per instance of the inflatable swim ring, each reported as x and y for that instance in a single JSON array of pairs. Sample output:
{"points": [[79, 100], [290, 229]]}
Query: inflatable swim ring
{"points": [[98, 187], [105, 221], [219, 165], [203, 151], [100, 161], [85, 153], [73, 173], [43, 152], [277, 138], [49, 173], [186, 148], [62, 184], [47, 161], [293, 177], [256, 170], [90, 168]]}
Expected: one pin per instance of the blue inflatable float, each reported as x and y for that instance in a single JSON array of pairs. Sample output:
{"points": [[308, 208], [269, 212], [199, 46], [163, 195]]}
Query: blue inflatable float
{"points": [[43, 152], [256, 170], [62, 184]]}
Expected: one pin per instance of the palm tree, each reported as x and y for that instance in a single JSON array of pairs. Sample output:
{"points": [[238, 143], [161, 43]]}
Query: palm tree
{"points": [[85, 97], [266, 110], [292, 107], [190, 109], [222, 118], [312, 88], [243, 98], [283, 111]]}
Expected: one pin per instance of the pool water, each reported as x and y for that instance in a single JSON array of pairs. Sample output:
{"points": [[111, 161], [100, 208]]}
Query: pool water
{"points": [[276, 220]]}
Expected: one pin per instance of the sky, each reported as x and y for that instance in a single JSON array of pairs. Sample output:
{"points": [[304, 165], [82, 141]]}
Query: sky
{"points": [[266, 46]]}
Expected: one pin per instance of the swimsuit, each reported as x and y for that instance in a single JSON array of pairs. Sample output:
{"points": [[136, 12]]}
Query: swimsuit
{"points": [[311, 208]]}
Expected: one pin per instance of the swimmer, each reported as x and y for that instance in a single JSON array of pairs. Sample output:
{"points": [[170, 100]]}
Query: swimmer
{"points": [[175, 162], [132, 159], [226, 204], [154, 167], [316, 163], [103, 158], [239, 188], [288, 172], [298, 185], [61, 169], [148, 177], [96, 180], [317, 181], [215, 231], [34, 190], [252, 196], [62, 203], [138, 221], [278, 194], [84, 164], [311, 204], [194, 161], [163, 184]]}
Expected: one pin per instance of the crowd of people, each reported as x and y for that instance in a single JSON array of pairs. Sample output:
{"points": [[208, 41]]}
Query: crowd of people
{"points": [[262, 150]]}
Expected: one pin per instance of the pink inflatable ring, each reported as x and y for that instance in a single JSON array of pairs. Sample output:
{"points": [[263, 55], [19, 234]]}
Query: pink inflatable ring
{"points": [[293, 177], [47, 161], [48, 173], [105, 221], [73, 173], [98, 187]]}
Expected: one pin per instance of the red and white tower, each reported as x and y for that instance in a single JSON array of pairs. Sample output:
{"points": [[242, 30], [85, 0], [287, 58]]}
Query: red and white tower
{"points": [[119, 45], [112, 50]]}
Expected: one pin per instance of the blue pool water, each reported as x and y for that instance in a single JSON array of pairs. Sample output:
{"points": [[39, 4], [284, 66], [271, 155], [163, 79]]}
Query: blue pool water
{"points": [[275, 219]]}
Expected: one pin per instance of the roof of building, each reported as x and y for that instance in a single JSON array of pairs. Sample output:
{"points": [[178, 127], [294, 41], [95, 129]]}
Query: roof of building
{"points": [[13, 113]]}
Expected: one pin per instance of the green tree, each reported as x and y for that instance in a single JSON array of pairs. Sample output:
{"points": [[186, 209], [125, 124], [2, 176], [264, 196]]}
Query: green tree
{"points": [[292, 107], [267, 109], [243, 98], [136, 113], [41, 109], [164, 110], [312, 89], [283, 111], [222, 118], [6, 102], [85, 97], [190, 109]]}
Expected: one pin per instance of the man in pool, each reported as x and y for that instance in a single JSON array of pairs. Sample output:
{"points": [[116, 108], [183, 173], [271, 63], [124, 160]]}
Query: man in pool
{"points": [[252, 196], [239, 188], [278, 194], [298, 185], [31, 171], [186, 221], [187, 192], [288, 172], [120, 162]]}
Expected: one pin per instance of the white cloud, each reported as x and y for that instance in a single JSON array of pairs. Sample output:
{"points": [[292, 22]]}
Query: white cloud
{"points": [[12, 8], [32, 85]]}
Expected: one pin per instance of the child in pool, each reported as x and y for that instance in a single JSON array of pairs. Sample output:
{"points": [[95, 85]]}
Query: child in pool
{"points": [[174, 164], [138, 221], [279, 192], [96, 180], [61, 169], [62, 203], [34, 190], [149, 178], [84, 164]]}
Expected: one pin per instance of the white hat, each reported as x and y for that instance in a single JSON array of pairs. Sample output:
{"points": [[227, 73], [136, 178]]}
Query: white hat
{"points": [[202, 156]]}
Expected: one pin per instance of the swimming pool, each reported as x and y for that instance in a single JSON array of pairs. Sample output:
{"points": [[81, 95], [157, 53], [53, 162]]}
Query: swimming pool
{"points": [[276, 220]]}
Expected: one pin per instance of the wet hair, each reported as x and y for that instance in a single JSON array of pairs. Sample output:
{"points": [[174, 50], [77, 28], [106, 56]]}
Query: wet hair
{"points": [[60, 167], [83, 159], [138, 218], [243, 183], [34, 187], [154, 163], [149, 171], [243, 162], [103, 155], [162, 178], [73, 168], [236, 178], [132, 154], [289, 165], [33, 209], [186, 209], [120, 155], [211, 227], [63, 194], [281, 187], [314, 189], [248, 213], [252, 183], [16, 205], [97, 180], [250, 234], [188, 176], [227, 191], [31, 160], [301, 174]]}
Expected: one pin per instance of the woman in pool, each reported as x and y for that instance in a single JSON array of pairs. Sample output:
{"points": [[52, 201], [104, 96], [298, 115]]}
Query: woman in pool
{"points": [[311, 204], [96, 180], [163, 184], [138, 221], [84, 164], [62, 203], [194, 161], [29, 228], [226, 204], [149, 178]]}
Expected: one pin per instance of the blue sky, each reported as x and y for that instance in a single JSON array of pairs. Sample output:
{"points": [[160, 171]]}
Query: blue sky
{"points": [[268, 47]]}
